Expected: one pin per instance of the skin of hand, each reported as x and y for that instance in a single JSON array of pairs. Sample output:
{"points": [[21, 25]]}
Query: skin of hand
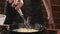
{"points": [[48, 8], [17, 4]]}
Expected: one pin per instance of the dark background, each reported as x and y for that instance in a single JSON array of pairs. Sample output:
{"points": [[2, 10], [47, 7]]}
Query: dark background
{"points": [[55, 6]]}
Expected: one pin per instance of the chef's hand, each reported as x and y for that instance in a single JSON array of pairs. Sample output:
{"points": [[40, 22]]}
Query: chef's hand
{"points": [[51, 24], [17, 4]]}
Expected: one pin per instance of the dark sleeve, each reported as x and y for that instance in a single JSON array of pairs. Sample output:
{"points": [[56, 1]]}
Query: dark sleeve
{"points": [[12, 15]]}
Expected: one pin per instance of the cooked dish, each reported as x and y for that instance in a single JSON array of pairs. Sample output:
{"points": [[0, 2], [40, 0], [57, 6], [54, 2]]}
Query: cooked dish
{"points": [[26, 30]]}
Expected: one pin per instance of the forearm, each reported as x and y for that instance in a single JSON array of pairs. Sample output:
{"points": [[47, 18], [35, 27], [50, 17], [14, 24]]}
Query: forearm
{"points": [[48, 7], [10, 1]]}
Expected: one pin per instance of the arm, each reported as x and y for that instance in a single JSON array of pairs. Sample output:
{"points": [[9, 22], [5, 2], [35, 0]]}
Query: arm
{"points": [[48, 8], [10, 1]]}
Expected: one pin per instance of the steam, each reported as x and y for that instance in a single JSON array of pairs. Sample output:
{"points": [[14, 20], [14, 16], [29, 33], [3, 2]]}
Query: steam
{"points": [[26, 22]]}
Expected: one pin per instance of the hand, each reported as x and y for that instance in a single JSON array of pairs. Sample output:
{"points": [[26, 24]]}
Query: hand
{"points": [[15, 2], [17, 8], [51, 24], [18, 4]]}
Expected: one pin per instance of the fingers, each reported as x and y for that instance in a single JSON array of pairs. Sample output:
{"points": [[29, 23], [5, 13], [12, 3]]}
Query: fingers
{"points": [[19, 5], [51, 23], [14, 3]]}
